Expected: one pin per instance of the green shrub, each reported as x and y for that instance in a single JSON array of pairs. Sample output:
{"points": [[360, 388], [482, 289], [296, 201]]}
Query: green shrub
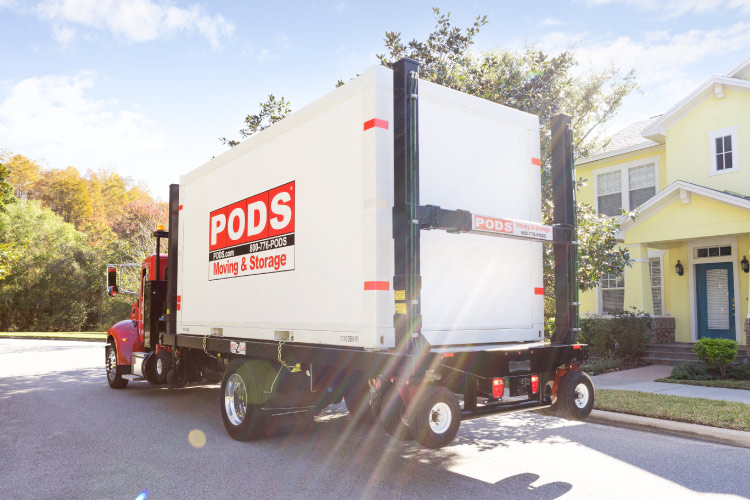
{"points": [[599, 366], [718, 354], [623, 336], [739, 372], [690, 371]]}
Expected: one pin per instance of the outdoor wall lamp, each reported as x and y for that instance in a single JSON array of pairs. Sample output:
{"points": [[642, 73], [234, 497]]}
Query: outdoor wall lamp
{"points": [[678, 267], [744, 264]]}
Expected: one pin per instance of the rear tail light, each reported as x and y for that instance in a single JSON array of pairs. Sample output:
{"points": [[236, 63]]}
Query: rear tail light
{"points": [[534, 384], [498, 387]]}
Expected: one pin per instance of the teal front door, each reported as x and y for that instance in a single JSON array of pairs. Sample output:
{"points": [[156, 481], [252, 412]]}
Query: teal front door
{"points": [[714, 295]]}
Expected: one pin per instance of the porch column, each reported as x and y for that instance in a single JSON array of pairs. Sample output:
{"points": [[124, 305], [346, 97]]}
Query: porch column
{"points": [[638, 281]]}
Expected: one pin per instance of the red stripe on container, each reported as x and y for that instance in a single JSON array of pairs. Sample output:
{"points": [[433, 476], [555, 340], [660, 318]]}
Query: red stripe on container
{"points": [[377, 285], [376, 122], [180, 207], [538, 291], [536, 161]]}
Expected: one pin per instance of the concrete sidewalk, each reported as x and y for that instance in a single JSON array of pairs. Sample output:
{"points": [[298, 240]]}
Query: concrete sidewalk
{"points": [[642, 379]]}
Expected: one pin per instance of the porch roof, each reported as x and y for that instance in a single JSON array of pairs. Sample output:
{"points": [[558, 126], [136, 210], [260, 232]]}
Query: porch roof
{"points": [[685, 211]]}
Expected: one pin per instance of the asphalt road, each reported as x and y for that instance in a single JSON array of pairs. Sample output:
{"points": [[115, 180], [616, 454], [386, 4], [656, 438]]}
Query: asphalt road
{"points": [[64, 434]]}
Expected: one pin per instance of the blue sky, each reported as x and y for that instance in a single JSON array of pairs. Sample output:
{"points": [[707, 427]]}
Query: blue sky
{"points": [[148, 86]]}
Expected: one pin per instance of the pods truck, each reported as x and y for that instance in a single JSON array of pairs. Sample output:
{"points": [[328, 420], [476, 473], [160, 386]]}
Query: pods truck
{"points": [[304, 267]]}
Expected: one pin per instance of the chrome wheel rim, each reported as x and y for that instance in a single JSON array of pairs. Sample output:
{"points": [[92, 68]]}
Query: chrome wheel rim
{"points": [[581, 395], [440, 418], [159, 366], [111, 364], [235, 399]]}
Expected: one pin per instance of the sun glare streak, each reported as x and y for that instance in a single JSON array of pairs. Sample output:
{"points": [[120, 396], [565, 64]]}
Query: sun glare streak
{"points": [[143, 495]]}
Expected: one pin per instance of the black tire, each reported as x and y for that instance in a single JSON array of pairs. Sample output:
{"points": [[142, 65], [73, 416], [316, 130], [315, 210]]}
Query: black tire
{"points": [[162, 366], [393, 416], [149, 369], [357, 400], [435, 417], [575, 396], [176, 378], [550, 411], [243, 392], [114, 372]]}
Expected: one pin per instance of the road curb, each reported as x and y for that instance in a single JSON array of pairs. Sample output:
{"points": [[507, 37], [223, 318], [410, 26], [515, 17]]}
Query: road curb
{"points": [[26, 337], [703, 432]]}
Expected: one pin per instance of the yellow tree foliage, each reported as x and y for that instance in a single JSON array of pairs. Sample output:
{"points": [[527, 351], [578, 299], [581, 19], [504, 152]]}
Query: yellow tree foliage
{"points": [[23, 174], [66, 193]]}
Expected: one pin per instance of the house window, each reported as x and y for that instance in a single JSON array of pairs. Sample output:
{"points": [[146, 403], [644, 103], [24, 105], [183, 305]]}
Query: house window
{"points": [[625, 188], [609, 193], [654, 265], [613, 293], [641, 184], [708, 252], [724, 150]]}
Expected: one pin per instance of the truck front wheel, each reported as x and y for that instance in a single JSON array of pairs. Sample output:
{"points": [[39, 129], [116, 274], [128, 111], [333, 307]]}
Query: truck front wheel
{"points": [[435, 416], [575, 396], [114, 377], [243, 390]]}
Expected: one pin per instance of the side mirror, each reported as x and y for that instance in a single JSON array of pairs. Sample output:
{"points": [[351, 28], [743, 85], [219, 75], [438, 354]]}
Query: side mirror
{"points": [[112, 289]]}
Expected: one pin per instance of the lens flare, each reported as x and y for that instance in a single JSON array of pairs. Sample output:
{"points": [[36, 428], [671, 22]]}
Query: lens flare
{"points": [[197, 438], [143, 495]]}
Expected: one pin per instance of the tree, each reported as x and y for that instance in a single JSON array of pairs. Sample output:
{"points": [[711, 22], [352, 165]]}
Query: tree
{"points": [[7, 257], [22, 175], [57, 280], [66, 194], [136, 227], [270, 112]]}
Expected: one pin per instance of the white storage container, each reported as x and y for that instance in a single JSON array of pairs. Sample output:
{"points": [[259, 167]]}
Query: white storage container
{"points": [[289, 234]]}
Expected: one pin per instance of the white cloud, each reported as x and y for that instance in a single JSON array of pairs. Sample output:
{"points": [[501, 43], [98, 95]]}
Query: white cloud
{"points": [[283, 40], [134, 20], [266, 55], [657, 57], [64, 35], [676, 8], [549, 21], [54, 117]]}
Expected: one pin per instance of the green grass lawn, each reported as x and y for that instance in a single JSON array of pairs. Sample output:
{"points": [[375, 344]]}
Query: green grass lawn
{"points": [[725, 414], [727, 384], [57, 335]]}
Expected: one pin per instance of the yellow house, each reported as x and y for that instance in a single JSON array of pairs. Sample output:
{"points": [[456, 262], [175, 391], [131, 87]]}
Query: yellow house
{"points": [[687, 172]]}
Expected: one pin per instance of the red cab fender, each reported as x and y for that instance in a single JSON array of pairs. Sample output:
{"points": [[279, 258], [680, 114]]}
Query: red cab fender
{"points": [[125, 337]]}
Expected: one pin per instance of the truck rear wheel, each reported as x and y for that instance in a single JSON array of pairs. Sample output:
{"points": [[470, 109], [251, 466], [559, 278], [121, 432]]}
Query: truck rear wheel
{"points": [[162, 366], [243, 391], [149, 369], [435, 417], [176, 378], [393, 415], [549, 411], [575, 396], [114, 377]]}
